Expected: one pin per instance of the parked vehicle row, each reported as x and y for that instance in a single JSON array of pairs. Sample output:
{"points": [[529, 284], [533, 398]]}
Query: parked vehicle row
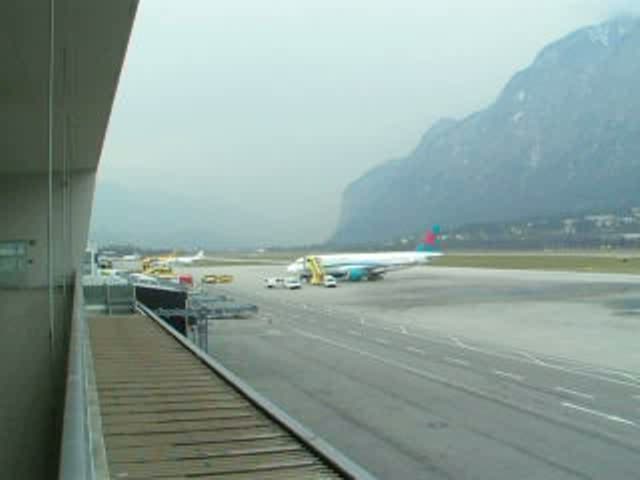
{"points": [[294, 283]]}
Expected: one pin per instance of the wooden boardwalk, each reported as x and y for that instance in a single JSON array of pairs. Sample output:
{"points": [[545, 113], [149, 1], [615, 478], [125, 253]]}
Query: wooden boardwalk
{"points": [[165, 414]]}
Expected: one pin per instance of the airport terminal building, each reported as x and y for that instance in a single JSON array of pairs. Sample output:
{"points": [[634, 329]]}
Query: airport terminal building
{"points": [[61, 64], [61, 60]]}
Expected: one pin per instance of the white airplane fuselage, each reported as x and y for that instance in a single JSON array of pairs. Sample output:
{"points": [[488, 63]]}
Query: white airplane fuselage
{"points": [[183, 260], [359, 265]]}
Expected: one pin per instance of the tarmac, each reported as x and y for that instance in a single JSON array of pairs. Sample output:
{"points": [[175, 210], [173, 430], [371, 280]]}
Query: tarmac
{"points": [[451, 373]]}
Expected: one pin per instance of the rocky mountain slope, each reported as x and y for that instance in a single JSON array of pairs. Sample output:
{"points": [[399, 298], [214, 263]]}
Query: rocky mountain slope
{"points": [[562, 136]]}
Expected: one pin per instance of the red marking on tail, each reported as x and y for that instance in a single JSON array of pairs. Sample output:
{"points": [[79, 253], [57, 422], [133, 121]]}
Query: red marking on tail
{"points": [[430, 238]]}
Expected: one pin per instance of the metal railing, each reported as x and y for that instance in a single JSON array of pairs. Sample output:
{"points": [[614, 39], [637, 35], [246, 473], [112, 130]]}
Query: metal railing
{"points": [[76, 457], [110, 298]]}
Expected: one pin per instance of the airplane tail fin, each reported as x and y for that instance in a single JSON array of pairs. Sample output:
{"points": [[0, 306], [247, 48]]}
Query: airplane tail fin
{"points": [[431, 242], [200, 254]]}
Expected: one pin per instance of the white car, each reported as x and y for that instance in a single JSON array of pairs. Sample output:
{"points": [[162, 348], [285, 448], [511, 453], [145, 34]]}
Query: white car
{"points": [[292, 283], [330, 281], [274, 282]]}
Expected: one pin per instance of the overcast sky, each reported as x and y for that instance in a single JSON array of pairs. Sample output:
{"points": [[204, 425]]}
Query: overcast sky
{"points": [[277, 105]]}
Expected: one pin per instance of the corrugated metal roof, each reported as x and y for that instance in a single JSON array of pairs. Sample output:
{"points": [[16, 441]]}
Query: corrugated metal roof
{"points": [[167, 415]]}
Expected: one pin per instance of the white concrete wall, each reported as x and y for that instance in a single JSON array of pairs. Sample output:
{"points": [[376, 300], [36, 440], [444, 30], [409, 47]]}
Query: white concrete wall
{"points": [[89, 47], [32, 372], [32, 379], [24, 209]]}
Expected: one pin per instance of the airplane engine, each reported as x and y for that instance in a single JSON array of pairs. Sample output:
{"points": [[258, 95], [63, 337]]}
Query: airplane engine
{"points": [[356, 274]]}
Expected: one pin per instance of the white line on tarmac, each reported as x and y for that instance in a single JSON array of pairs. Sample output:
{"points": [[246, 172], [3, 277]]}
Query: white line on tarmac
{"points": [[382, 341], [415, 350], [612, 372], [387, 361], [513, 376], [533, 358], [421, 372], [456, 360], [526, 360], [353, 332], [403, 329], [516, 356], [575, 392], [613, 418]]}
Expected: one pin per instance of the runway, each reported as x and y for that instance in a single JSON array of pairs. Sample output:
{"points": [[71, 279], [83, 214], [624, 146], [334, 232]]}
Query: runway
{"points": [[394, 374]]}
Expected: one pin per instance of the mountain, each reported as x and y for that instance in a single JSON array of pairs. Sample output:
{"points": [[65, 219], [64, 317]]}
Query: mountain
{"points": [[149, 217], [563, 136]]}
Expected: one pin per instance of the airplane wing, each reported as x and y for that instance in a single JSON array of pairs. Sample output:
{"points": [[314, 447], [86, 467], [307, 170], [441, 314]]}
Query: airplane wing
{"points": [[359, 270]]}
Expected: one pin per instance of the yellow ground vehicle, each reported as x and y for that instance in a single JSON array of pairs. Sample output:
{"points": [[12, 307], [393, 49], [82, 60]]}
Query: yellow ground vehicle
{"points": [[212, 279], [160, 271], [150, 262]]}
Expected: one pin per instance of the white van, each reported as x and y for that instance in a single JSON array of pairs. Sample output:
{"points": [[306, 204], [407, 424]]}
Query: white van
{"points": [[292, 283], [330, 281], [274, 282]]}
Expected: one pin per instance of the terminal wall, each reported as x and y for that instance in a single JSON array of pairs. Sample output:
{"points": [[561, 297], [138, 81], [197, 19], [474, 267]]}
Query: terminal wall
{"points": [[35, 313], [61, 64]]}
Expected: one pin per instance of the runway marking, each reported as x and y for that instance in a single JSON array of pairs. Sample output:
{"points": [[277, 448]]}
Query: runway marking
{"points": [[403, 329], [575, 392], [532, 358], [387, 361], [512, 376], [613, 418], [627, 375], [457, 361], [353, 332], [443, 380], [415, 350], [460, 344], [515, 356], [387, 329], [618, 373], [382, 341]]}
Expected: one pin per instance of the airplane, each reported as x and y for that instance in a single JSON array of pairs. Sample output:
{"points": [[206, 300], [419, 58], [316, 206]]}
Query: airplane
{"points": [[168, 260], [371, 266], [188, 260]]}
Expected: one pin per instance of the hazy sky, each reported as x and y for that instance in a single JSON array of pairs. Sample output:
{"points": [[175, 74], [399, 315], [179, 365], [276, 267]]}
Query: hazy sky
{"points": [[277, 105]]}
